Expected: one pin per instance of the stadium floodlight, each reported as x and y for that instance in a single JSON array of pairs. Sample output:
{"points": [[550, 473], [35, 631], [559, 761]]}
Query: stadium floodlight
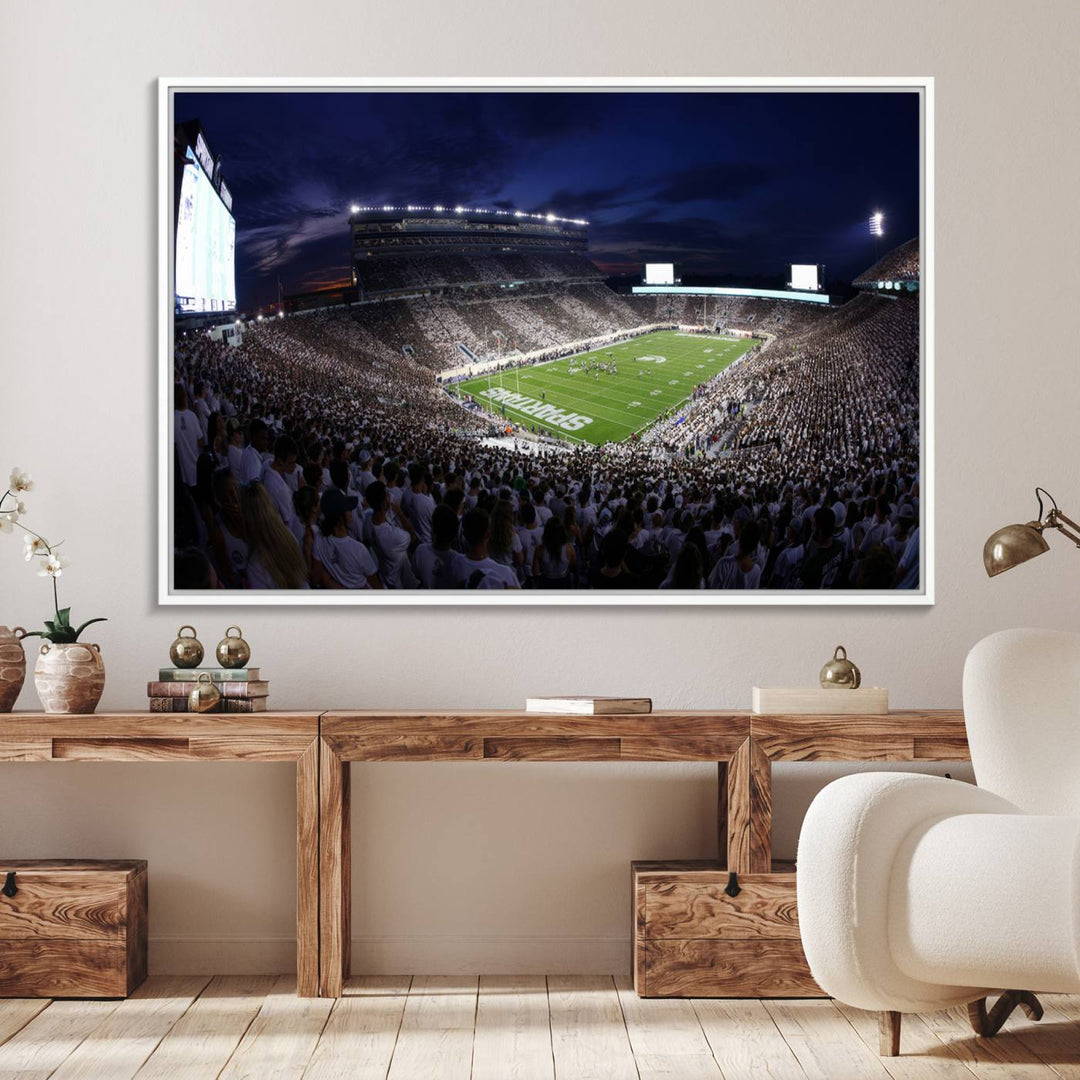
{"points": [[877, 223], [459, 209], [551, 217], [354, 209]]}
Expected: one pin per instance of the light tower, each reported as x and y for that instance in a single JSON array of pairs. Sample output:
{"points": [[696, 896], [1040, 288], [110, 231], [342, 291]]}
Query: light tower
{"points": [[877, 230]]}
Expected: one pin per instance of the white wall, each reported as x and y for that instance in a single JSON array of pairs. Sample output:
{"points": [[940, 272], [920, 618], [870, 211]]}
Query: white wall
{"points": [[494, 867]]}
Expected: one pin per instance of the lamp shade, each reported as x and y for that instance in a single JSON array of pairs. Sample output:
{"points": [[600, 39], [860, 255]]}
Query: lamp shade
{"points": [[1012, 545]]}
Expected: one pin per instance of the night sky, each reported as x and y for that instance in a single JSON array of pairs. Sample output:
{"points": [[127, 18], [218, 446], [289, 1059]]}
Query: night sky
{"points": [[724, 184]]}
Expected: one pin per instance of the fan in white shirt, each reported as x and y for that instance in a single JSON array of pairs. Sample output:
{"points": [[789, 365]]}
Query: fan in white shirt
{"points": [[252, 461], [345, 561], [392, 541], [475, 570], [418, 504], [186, 435], [434, 562], [275, 477]]}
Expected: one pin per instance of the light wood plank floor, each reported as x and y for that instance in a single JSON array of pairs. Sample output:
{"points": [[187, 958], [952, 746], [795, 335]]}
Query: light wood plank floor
{"points": [[524, 1027]]}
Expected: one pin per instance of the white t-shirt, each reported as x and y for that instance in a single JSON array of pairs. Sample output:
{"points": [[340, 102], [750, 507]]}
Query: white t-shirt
{"points": [[392, 547], [419, 511], [909, 562], [435, 569], [787, 566], [347, 561], [236, 549], [278, 490], [491, 575], [530, 541], [186, 433], [202, 411], [236, 455], [727, 575], [251, 465]]}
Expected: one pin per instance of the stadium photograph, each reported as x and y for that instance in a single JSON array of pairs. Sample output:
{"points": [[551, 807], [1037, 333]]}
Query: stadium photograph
{"points": [[604, 344]]}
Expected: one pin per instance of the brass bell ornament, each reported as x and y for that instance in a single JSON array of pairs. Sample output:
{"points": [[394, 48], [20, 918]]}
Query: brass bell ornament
{"points": [[186, 651], [233, 652], [204, 695], [840, 673]]}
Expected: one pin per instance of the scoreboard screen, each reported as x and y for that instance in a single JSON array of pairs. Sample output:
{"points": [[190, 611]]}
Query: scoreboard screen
{"points": [[805, 276], [205, 245], [659, 273]]}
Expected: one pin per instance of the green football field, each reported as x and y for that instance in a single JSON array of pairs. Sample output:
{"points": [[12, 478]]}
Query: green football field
{"points": [[654, 374]]}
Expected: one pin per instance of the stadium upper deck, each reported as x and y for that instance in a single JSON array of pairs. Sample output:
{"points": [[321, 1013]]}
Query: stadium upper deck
{"points": [[394, 247], [400, 230]]}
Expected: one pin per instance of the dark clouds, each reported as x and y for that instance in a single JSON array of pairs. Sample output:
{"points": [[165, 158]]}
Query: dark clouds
{"points": [[713, 181], [730, 183]]}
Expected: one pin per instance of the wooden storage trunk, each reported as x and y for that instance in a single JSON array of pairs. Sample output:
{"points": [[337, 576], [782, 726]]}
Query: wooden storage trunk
{"points": [[691, 939], [72, 928]]}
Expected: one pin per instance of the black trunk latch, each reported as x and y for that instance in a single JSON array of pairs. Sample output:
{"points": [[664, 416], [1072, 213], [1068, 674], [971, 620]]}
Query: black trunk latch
{"points": [[732, 887], [9, 884]]}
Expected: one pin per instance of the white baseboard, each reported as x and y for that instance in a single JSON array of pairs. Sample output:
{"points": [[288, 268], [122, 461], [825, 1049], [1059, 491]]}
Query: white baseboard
{"points": [[430, 954]]}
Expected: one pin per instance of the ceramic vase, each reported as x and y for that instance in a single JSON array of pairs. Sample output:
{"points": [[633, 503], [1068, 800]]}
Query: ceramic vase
{"points": [[69, 678], [12, 666]]}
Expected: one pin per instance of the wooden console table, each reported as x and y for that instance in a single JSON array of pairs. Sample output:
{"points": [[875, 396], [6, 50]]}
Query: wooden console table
{"points": [[261, 737], [743, 745], [323, 745]]}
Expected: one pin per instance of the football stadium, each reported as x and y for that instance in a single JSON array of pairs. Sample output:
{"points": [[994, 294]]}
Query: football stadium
{"points": [[480, 406]]}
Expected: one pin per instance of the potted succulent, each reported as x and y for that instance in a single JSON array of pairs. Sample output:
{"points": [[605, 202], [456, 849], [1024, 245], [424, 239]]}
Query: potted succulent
{"points": [[69, 674]]}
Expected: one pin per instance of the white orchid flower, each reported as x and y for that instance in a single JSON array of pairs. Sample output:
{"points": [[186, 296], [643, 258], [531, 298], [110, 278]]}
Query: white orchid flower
{"points": [[20, 481], [7, 520], [34, 545], [54, 565]]}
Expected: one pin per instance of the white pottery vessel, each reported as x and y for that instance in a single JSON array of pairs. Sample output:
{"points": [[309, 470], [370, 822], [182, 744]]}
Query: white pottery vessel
{"points": [[69, 678]]}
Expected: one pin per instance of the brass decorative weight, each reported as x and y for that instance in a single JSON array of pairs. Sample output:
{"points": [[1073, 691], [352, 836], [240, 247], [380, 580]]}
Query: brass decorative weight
{"points": [[233, 652], [204, 695], [186, 651], [840, 673]]}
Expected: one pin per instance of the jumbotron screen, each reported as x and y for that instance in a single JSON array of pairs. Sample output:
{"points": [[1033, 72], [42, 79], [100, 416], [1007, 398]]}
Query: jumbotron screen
{"points": [[659, 273], [805, 276], [205, 245]]}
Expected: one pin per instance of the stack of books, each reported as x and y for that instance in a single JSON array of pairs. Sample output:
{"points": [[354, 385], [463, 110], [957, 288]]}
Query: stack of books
{"points": [[579, 705], [241, 689]]}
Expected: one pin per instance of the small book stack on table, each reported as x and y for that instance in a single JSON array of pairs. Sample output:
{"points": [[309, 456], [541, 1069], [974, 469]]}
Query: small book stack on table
{"points": [[241, 689]]}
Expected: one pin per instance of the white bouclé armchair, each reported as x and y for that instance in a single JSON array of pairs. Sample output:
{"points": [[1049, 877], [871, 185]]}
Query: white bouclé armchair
{"points": [[917, 893]]}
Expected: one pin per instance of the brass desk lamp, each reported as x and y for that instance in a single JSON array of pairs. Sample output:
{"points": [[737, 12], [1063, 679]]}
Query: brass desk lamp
{"points": [[1014, 544]]}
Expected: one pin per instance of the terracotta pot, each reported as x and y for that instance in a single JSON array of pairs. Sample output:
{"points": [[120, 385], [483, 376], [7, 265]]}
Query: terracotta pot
{"points": [[69, 678], [12, 666]]}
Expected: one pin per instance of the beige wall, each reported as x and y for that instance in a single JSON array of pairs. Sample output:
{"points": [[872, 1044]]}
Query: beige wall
{"points": [[498, 867]]}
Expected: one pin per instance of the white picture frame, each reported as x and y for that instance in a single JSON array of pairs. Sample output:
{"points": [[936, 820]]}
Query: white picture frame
{"points": [[168, 596]]}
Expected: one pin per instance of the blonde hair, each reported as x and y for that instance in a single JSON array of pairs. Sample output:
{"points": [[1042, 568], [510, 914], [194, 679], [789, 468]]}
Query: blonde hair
{"points": [[269, 542]]}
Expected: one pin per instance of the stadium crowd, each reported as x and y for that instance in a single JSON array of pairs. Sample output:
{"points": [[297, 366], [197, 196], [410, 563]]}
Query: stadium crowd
{"points": [[320, 454]]}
